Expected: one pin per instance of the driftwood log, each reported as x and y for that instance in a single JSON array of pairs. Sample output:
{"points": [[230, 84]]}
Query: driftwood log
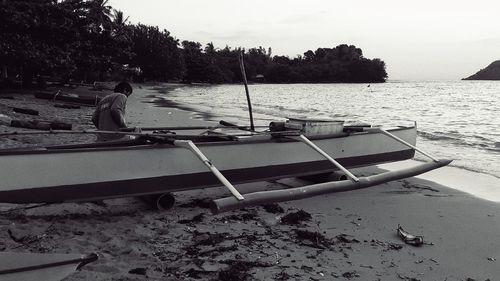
{"points": [[41, 125], [68, 106], [25, 111]]}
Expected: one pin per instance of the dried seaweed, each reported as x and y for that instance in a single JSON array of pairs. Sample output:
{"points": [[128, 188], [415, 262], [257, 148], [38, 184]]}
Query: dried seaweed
{"points": [[296, 218]]}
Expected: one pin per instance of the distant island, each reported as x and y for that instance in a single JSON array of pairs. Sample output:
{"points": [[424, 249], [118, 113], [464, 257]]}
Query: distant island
{"points": [[491, 72]]}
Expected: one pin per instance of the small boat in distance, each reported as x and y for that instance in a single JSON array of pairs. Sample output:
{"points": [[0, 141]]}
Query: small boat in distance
{"points": [[162, 162]]}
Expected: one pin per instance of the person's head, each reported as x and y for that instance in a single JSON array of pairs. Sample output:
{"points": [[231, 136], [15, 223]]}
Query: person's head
{"points": [[124, 88]]}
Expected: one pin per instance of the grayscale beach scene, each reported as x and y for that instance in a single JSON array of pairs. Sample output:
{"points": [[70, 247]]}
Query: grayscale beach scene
{"points": [[320, 140]]}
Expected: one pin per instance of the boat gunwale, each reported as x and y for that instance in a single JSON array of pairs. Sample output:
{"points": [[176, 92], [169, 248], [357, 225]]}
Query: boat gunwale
{"points": [[61, 149]]}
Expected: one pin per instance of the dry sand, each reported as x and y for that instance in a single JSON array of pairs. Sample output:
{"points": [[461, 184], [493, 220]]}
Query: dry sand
{"points": [[340, 236]]}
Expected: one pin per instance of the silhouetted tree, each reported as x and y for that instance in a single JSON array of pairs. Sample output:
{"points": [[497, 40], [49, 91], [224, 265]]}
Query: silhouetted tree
{"points": [[89, 40]]}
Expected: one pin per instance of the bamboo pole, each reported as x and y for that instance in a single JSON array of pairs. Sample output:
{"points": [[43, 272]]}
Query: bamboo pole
{"points": [[242, 67], [380, 130], [183, 128], [173, 135], [305, 140], [191, 146]]}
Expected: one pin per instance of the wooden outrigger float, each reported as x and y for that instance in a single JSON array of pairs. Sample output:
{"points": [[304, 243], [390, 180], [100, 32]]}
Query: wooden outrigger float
{"points": [[160, 163]]}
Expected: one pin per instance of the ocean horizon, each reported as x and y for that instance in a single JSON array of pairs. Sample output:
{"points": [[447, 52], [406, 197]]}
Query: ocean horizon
{"points": [[455, 119]]}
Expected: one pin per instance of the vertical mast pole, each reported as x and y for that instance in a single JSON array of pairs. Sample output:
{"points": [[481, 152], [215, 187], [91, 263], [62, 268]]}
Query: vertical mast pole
{"points": [[243, 74]]}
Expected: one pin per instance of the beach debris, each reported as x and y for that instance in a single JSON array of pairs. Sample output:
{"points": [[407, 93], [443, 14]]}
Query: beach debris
{"points": [[345, 238], [41, 125], [236, 271], [393, 246], [409, 238], [315, 239], [195, 219], [209, 238], [307, 269], [5, 120], [350, 274], [25, 111], [282, 276], [296, 217], [201, 203], [164, 132], [273, 208], [138, 271], [407, 278], [67, 106], [247, 264], [216, 250], [241, 217], [387, 245], [195, 273], [24, 238], [406, 184]]}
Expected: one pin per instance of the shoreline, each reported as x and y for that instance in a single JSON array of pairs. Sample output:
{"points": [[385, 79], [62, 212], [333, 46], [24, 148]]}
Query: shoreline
{"points": [[456, 177], [342, 236]]}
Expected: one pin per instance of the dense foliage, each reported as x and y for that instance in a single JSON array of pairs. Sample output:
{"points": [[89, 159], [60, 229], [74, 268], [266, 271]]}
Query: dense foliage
{"points": [[87, 40]]}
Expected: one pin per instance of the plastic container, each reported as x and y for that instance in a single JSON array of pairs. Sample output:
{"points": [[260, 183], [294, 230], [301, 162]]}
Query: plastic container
{"points": [[315, 127]]}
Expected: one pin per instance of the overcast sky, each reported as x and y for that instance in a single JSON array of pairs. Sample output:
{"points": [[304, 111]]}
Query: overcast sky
{"points": [[418, 40]]}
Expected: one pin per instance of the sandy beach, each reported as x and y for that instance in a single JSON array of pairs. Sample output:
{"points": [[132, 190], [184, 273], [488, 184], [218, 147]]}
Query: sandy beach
{"points": [[342, 236]]}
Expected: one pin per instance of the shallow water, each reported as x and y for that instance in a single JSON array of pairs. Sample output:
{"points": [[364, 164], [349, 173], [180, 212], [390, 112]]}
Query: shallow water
{"points": [[456, 119]]}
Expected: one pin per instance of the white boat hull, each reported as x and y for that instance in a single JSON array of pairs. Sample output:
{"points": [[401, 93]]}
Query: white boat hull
{"points": [[80, 174]]}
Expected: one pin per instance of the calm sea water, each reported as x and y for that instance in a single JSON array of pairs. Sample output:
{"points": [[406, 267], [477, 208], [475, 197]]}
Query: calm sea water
{"points": [[457, 119]]}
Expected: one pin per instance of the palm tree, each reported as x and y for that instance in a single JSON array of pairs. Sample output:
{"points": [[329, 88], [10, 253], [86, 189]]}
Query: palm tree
{"points": [[100, 15], [119, 23]]}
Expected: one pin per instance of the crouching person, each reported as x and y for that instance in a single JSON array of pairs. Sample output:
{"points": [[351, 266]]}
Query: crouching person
{"points": [[109, 114]]}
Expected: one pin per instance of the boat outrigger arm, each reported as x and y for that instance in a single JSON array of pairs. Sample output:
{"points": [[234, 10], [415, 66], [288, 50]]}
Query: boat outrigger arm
{"points": [[191, 146], [352, 183]]}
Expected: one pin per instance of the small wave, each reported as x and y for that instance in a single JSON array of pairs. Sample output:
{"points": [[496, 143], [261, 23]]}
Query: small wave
{"points": [[436, 136], [495, 147], [462, 167]]}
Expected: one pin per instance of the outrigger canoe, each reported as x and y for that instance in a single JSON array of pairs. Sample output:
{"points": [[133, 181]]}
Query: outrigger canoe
{"points": [[58, 96], [163, 162], [47, 267]]}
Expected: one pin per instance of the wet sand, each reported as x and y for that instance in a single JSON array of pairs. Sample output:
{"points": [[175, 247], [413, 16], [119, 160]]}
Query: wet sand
{"points": [[342, 236]]}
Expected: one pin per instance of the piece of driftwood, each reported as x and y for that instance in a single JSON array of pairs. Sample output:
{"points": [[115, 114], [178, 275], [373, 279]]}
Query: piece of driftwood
{"points": [[410, 238], [68, 106], [25, 111], [41, 125]]}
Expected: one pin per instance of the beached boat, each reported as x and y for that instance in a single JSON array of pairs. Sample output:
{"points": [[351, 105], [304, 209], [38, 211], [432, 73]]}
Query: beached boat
{"points": [[162, 162], [47, 267], [67, 97]]}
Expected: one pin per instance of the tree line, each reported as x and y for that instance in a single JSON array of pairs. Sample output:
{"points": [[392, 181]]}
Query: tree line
{"points": [[88, 40]]}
